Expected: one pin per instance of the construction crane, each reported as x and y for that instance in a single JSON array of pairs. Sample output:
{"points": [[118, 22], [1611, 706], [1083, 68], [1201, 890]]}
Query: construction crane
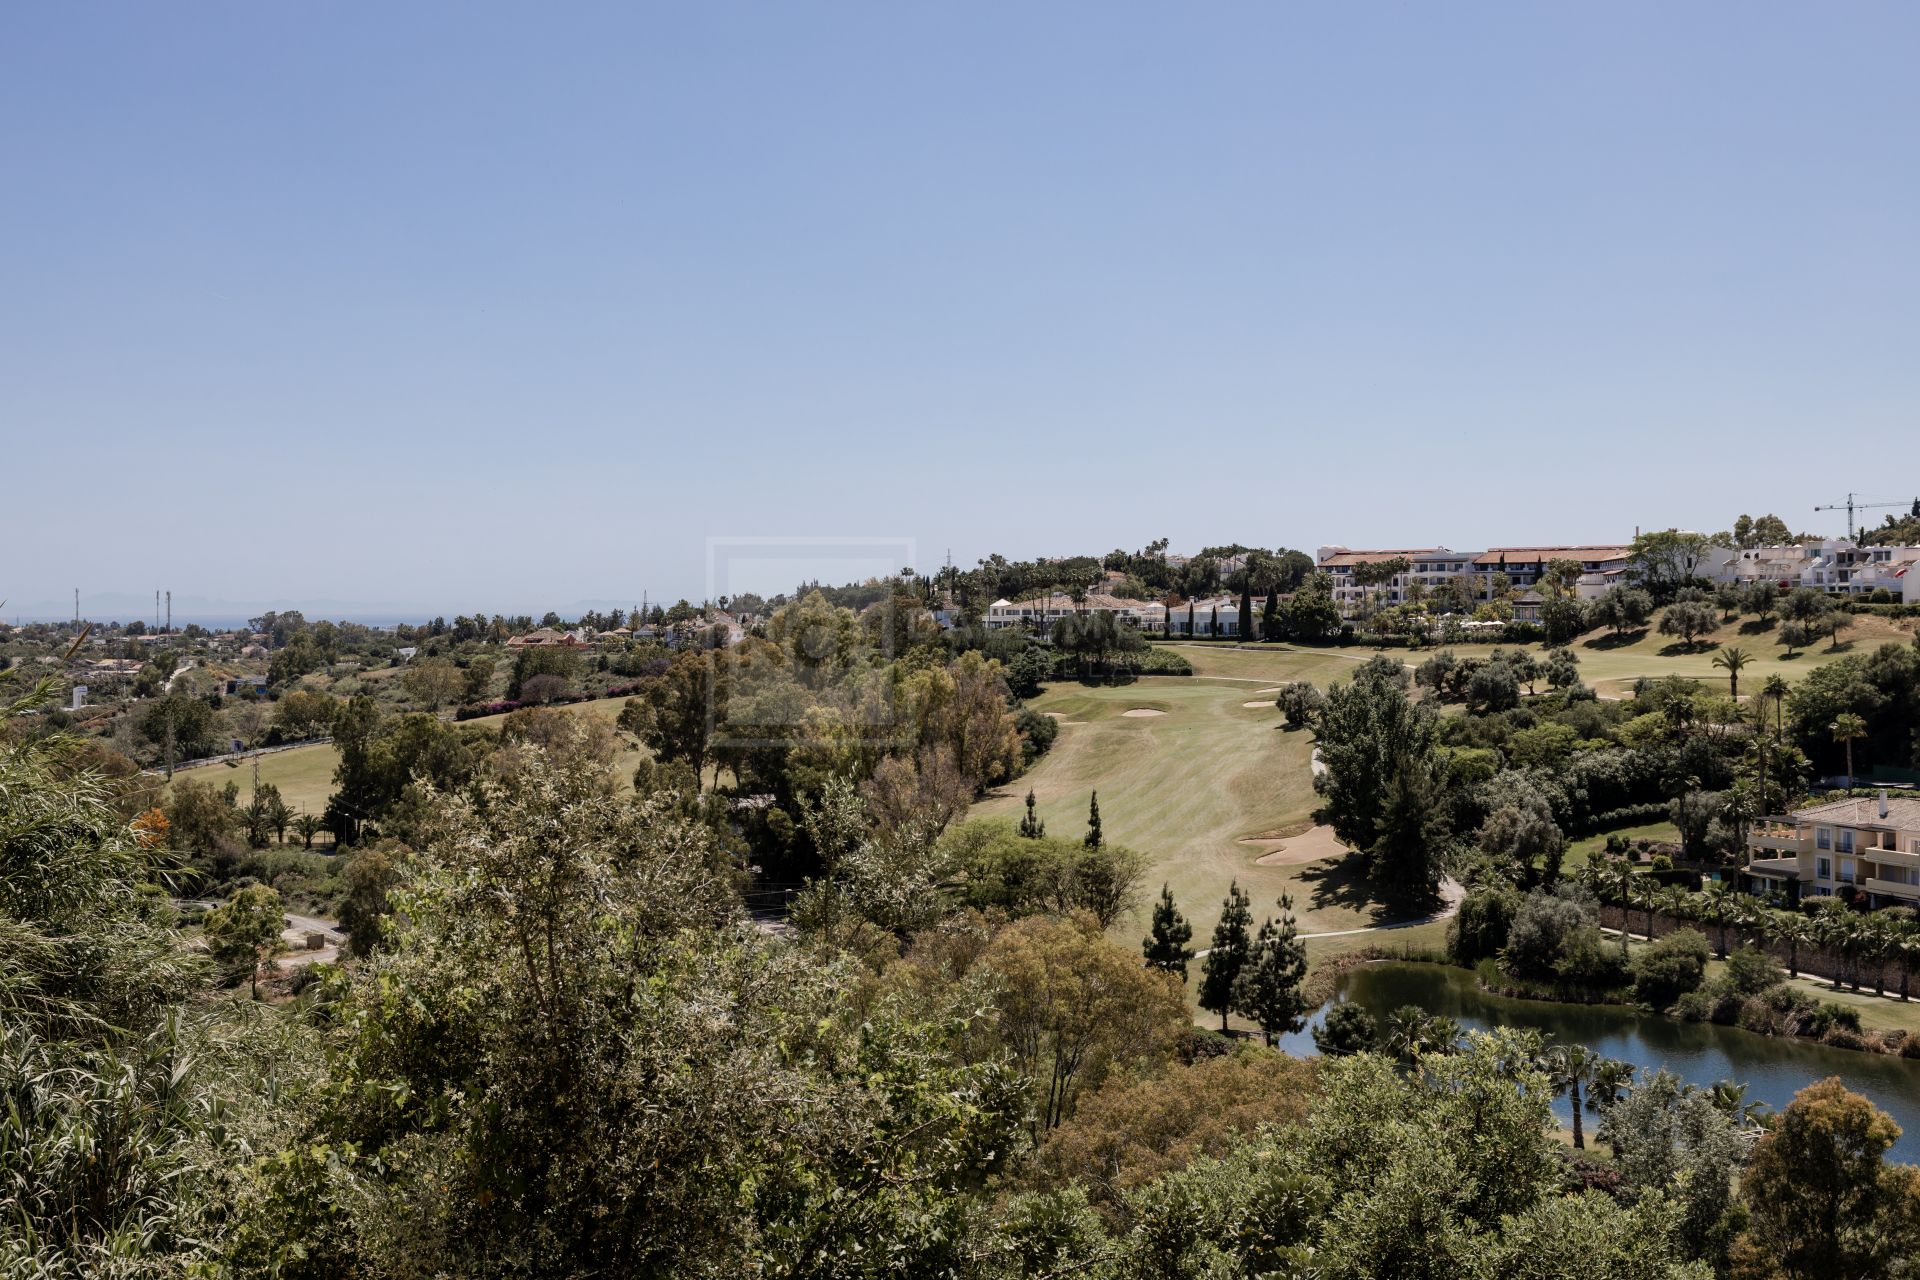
{"points": [[1851, 505]]}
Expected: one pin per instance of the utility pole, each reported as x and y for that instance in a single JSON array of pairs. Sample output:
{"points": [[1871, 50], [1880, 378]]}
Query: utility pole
{"points": [[169, 744], [76, 608], [169, 613], [156, 609]]}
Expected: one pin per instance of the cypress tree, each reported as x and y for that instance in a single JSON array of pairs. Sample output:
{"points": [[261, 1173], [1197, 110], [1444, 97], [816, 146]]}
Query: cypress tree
{"points": [[1246, 612], [1270, 617], [1228, 954], [1266, 991], [1166, 945], [1189, 619], [1031, 826], [1213, 624], [1094, 839]]}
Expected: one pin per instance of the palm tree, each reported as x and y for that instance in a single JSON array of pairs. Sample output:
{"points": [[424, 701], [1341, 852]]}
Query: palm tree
{"points": [[1775, 690], [1716, 906], [1406, 1034], [1612, 1081], [1847, 727], [1730, 1099], [1795, 931], [1675, 903], [1837, 930], [1732, 659], [1569, 1067], [1904, 943], [1646, 894]]}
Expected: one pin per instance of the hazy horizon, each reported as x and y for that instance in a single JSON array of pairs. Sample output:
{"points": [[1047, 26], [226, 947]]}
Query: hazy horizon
{"points": [[445, 307]]}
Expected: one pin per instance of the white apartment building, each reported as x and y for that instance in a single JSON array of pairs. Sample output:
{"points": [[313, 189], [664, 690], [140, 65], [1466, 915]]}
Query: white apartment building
{"points": [[1834, 565], [1601, 566], [1042, 612]]}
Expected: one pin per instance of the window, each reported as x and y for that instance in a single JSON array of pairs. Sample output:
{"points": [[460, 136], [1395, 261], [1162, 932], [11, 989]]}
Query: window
{"points": [[1846, 842], [1823, 839], [1823, 868]]}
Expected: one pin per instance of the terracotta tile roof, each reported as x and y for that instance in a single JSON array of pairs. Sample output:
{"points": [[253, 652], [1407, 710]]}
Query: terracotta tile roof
{"points": [[1374, 557], [1528, 555]]}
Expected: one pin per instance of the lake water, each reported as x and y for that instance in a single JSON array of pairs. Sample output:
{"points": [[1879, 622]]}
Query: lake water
{"points": [[1772, 1068]]}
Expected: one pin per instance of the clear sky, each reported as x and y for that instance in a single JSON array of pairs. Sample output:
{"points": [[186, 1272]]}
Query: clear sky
{"points": [[467, 305]]}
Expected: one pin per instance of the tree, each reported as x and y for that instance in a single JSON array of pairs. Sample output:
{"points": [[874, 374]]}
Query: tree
{"points": [[1733, 660], [366, 881], [1246, 613], [307, 826], [1570, 1067], [1221, 966], [1166, 945], [243, 932], [1071, 1007], [1823, 1202], [1266, 991], [434, 682], [1761, 599], [1300, 703], [1347, 1029], [1688, 619], [1672, 1144], [1031, 826], [1408, 853], [1663, 561], [179, 723], [674, 713], [1093, 839], [1622, 609], [1848, 728]]}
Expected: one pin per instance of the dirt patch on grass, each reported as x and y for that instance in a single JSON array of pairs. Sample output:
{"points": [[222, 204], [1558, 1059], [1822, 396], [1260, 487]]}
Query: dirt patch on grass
{"points": [[1142, 711]]}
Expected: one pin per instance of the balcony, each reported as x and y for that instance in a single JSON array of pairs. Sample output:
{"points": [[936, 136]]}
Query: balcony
{"points": [[1892, 889], [1776, 843], [1774, 867]]}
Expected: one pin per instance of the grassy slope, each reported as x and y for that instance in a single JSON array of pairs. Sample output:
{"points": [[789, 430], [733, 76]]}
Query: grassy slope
{"points": [[1184, 788], [1611, 668], [305, 774]]}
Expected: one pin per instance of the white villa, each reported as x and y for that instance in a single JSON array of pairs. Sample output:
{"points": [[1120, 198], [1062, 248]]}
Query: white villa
{"points": [[1834, 565], [1042, 612]]}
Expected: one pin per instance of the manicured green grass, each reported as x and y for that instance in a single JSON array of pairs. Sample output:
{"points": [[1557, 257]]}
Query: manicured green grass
{"points": [[305, 774], [1612, 665], [1581, 851], [1187, 787]]}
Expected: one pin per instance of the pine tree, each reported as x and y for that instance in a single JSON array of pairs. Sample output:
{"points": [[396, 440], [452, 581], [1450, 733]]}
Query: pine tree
{"points": [[1094, 839], [1266, 992], [1166, 946], [1031, 826], [1228, 955]]}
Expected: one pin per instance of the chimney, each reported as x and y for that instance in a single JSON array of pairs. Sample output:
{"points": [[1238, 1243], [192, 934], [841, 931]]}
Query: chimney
{"points": [[1883, 802]]}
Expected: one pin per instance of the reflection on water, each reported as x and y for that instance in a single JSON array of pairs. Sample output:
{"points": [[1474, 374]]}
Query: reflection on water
{"points": [[1772, 1068]]}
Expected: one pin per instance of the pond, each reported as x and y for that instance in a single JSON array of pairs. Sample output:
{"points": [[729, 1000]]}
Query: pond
{"points": [[1772, 1068]]}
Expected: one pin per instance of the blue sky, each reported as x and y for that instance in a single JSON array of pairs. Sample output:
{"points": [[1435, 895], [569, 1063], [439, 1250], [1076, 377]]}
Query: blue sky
{"points": [[508, 306]]}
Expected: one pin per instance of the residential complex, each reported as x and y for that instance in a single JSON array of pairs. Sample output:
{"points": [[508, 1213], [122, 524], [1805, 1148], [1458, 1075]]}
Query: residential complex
{"points": [[1834, 565], [1431, 571], [1865, 845], [1042, 612]]}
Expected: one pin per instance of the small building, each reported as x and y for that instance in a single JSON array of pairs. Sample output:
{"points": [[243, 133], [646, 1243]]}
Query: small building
{"points": [[246, 686], [546, 638]]}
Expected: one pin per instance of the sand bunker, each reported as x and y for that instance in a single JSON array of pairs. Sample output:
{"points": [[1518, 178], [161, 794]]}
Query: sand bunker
{"points": [[1142, 711], [1314, 845], [1263, 702], [1275, 689]]}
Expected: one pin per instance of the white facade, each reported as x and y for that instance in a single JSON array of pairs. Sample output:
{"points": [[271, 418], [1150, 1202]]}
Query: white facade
{"points": [[1836, 566], [1042, 612]]}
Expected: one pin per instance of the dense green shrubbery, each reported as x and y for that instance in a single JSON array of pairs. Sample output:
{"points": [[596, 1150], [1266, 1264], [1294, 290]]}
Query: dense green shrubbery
{"points": [[1670, 967]]}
